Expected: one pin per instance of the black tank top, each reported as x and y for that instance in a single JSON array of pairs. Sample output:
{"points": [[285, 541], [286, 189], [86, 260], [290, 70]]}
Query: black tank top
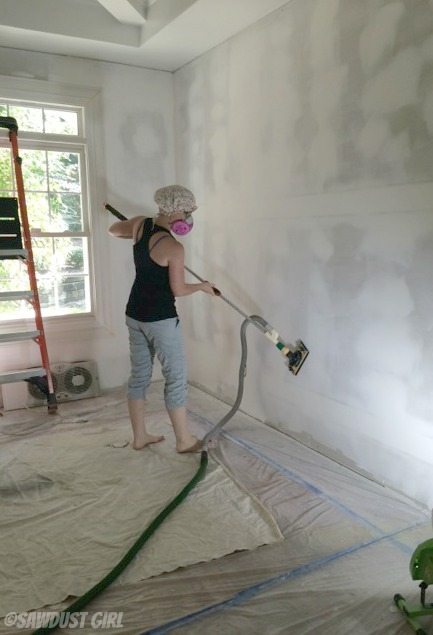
{"points": [[151, 298]]}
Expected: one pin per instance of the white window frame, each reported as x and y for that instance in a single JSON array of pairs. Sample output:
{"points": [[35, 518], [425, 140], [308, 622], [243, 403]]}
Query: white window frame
{"points": [[33, 92]]}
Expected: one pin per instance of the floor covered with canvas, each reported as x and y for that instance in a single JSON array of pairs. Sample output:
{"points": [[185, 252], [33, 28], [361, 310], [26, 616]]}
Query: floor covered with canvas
{"points": [[276, 539]]}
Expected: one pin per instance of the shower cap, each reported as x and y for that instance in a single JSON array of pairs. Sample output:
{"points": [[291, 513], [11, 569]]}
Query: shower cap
{"points": [[174, 198]]}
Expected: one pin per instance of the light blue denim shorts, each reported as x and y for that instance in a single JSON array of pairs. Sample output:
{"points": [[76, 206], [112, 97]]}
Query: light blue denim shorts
{"points": [[163, 338]]}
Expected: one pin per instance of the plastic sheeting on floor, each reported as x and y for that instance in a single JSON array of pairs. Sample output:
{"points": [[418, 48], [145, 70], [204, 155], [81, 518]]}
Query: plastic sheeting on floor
{"points": [[346, 552], [73, 505]]}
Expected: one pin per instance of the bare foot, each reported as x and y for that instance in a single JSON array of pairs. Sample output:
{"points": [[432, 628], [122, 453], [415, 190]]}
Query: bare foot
{"points": [[146, 439], [190, 445]]}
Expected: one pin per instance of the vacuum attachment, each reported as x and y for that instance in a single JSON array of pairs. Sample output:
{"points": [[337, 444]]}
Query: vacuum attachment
{"points": [[296, 357]]}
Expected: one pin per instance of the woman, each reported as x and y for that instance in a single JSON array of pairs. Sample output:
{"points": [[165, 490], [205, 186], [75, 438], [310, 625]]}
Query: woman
{"points": [[151, 314]]}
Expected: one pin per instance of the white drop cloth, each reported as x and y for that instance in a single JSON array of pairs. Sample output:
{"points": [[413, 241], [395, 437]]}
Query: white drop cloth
{"points": [[73, 505], [348, 540]]}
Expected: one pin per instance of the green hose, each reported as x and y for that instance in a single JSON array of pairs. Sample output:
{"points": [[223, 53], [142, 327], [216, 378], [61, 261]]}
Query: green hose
{"points": [[81, 602]]}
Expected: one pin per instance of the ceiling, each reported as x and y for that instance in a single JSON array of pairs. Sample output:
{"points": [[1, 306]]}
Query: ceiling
{"points": [[159, 34]]}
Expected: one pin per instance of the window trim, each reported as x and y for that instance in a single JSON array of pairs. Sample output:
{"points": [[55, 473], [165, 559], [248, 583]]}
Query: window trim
{"points": [[89, 99]]}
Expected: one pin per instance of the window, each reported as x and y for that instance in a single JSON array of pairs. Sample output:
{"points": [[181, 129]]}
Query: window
{"points": [[53, 148]]}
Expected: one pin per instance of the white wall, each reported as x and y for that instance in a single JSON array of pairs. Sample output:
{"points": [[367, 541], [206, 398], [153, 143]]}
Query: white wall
{"points": [[308, 139], [133, 156]]}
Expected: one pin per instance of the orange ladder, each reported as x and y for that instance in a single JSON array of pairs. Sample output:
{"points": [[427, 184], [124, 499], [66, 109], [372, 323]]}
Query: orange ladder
{"points": [[14, 228]]}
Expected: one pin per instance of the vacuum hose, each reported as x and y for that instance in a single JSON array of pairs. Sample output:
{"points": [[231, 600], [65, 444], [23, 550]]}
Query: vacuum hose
{"points": [[216, 430], [87, 597], [100, 586], [295, 360]]}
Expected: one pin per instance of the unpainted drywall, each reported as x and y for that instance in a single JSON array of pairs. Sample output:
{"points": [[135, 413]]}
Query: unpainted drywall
{"points": [[308, 140]]}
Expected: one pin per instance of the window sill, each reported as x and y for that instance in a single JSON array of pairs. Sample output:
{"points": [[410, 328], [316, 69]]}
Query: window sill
{"points": [[57, 325]]}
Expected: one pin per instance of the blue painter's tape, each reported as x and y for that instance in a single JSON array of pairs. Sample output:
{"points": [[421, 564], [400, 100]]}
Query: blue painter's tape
{"points": [[308, 486], [250, 592], [294, 477], [266, 585]]}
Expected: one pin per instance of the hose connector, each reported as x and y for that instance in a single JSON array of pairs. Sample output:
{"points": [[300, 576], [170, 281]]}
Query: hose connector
{"points": [[210, 440]]}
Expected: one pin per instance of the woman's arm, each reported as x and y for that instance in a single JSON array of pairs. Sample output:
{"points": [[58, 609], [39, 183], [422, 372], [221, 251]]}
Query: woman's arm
{"points": [[176, 273], [125, 228]]}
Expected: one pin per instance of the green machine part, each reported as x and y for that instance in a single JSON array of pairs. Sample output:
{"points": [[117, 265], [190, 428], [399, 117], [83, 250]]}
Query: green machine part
{"points": [[421, 568], [421, 563]]}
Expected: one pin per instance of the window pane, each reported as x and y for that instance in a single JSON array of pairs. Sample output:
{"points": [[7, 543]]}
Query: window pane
{"points": [[61, 215], [13, 309], [28, 118], [47, 295], [3, 110], [72, 250], [62, 274], [60, 255], [5, 169], [72, 294], [13, 276], [43, 254], [39, 211], [60, 122], [8, 194], [64, 171], [34, 169], [66, 212]]}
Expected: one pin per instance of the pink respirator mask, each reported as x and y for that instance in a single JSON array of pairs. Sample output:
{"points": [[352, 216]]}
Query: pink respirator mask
{"points": [[182, 227]]}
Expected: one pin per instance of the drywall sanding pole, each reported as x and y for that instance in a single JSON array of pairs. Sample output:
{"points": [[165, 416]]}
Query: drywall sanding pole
{"points": [[220, 295], [294, 355]]}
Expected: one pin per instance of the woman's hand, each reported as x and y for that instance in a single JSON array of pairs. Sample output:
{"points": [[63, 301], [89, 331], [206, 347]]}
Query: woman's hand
{"points": [[208, 287]]}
